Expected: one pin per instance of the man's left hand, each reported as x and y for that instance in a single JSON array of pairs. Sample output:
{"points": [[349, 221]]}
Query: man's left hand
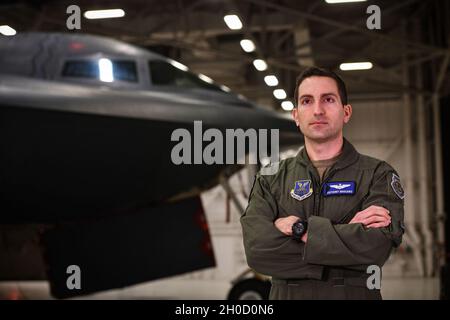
{"points": [[285, 224]]}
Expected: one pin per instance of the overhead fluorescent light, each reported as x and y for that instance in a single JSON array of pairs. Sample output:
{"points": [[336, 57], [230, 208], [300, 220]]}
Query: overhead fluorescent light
{"points": [[104, 14], [105, 69], [205, 78], [355, 66], [287, 105], [225, 88], [178, 65], [7, 30], [233, 22], [271, 80], [247, 45], [279, 94], [342, 1], [260, 64]]}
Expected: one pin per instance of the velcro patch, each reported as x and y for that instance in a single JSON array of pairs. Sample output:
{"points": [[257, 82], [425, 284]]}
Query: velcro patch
{"points": [[339, 188], [397, 186], [302, 190]]}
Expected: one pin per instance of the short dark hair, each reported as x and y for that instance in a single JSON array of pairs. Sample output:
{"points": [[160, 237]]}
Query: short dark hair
{"points": [[321, 72]]}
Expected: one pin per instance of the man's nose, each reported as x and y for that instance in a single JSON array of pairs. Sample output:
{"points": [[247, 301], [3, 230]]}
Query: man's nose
{"points": [[318, 109]]}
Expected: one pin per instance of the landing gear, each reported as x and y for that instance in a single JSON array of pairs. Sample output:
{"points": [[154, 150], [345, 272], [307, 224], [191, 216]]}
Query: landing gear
{"points": [[250, 289]]}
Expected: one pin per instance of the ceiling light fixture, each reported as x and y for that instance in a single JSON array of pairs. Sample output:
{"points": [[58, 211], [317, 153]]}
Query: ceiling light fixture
{"points": [[247, 45], [342, 1], [225, 88], [7, 30], [205, 78], [355, 66], [104, 14], [178, 65], [271, 80], [279, 94], [233, 22], [287, 105], [260, 64]]}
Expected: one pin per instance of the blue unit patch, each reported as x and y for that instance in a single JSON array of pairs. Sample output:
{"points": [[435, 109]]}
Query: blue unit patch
{"points": [[302, 190], [339, 188]]}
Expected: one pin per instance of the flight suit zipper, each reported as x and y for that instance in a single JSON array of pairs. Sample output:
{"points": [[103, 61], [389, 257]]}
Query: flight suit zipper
{"points": [[318, 192], [318, 188]]}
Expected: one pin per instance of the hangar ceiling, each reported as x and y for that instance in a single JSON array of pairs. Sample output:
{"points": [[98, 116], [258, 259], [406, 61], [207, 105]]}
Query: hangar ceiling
{"points": [[288, 34]]}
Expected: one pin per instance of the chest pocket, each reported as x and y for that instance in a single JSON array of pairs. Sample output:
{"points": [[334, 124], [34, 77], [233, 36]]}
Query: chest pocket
{"points": [[342, 207], [291, 205]]}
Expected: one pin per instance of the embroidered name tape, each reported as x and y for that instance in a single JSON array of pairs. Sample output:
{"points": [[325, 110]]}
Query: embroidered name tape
{"points": [[339, 188]]}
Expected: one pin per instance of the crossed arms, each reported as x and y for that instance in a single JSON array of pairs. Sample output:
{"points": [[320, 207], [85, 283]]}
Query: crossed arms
{"points": [[368, 238]]}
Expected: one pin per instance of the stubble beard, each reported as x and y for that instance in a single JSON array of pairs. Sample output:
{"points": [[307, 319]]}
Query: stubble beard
{"points": [[322, 138]]}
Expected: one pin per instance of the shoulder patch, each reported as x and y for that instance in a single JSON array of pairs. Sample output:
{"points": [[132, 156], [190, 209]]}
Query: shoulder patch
{"points": [[397, 186]]}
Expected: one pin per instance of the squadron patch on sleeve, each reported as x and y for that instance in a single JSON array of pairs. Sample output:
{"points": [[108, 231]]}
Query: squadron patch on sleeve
{"points": [[397, 186], [302, 190]]}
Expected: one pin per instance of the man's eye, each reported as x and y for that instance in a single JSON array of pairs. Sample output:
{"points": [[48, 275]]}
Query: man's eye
{"points": [[305, 101], [329, 100]]}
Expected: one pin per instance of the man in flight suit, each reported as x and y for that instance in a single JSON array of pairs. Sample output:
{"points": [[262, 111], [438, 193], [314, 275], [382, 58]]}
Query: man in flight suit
{"points": [[326, 215]]}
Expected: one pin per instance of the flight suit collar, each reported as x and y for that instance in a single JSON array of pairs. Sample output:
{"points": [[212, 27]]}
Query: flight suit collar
{"points": [[348, 156]]}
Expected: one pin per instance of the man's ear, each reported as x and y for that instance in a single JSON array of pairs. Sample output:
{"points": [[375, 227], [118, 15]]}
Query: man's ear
{"points": [[347, 113], [294, 114]]}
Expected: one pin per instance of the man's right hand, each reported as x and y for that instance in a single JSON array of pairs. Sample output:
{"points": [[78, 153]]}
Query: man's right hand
{"points": [[373, 217]]}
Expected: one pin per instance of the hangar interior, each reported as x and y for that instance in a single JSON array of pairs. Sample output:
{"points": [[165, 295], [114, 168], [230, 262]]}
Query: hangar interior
{"points": [[398, 105]]}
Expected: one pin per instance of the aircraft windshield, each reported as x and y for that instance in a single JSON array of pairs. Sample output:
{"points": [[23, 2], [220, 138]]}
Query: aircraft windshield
{"points": [[164, 73], [122, 70]]}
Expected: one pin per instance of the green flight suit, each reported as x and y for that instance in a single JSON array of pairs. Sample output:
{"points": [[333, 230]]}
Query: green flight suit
{"points": [[333, 262]]}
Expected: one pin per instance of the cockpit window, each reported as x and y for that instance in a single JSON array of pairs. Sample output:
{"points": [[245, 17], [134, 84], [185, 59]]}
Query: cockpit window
{"points": [[123, 70], [164, 73]]}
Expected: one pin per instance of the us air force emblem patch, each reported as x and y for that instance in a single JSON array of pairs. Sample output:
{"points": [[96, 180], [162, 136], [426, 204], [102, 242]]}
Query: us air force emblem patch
{"points": [[397, 186], [302, 190]]}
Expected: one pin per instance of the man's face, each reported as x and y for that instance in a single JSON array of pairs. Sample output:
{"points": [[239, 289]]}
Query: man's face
{"points": [[319, 112]]}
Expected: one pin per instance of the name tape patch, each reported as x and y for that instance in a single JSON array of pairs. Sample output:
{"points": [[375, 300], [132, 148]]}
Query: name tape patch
{"points": [[339, 188]]}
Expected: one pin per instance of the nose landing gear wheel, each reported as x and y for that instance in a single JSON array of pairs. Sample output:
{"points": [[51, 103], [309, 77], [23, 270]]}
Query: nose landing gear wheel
{"points": [[250, 289]]}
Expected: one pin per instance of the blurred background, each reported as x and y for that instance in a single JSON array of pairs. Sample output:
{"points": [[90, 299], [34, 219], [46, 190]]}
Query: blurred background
{"points": [[394, 58]]}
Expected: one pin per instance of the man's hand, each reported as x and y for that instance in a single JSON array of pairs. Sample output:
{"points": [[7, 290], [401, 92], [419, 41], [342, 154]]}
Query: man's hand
{"points": [[373, 217], [285, 224], [305, 237]]}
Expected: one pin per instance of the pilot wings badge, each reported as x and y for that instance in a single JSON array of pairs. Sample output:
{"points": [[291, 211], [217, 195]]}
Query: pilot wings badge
{"points": [[302, 190], [339, 188]]}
